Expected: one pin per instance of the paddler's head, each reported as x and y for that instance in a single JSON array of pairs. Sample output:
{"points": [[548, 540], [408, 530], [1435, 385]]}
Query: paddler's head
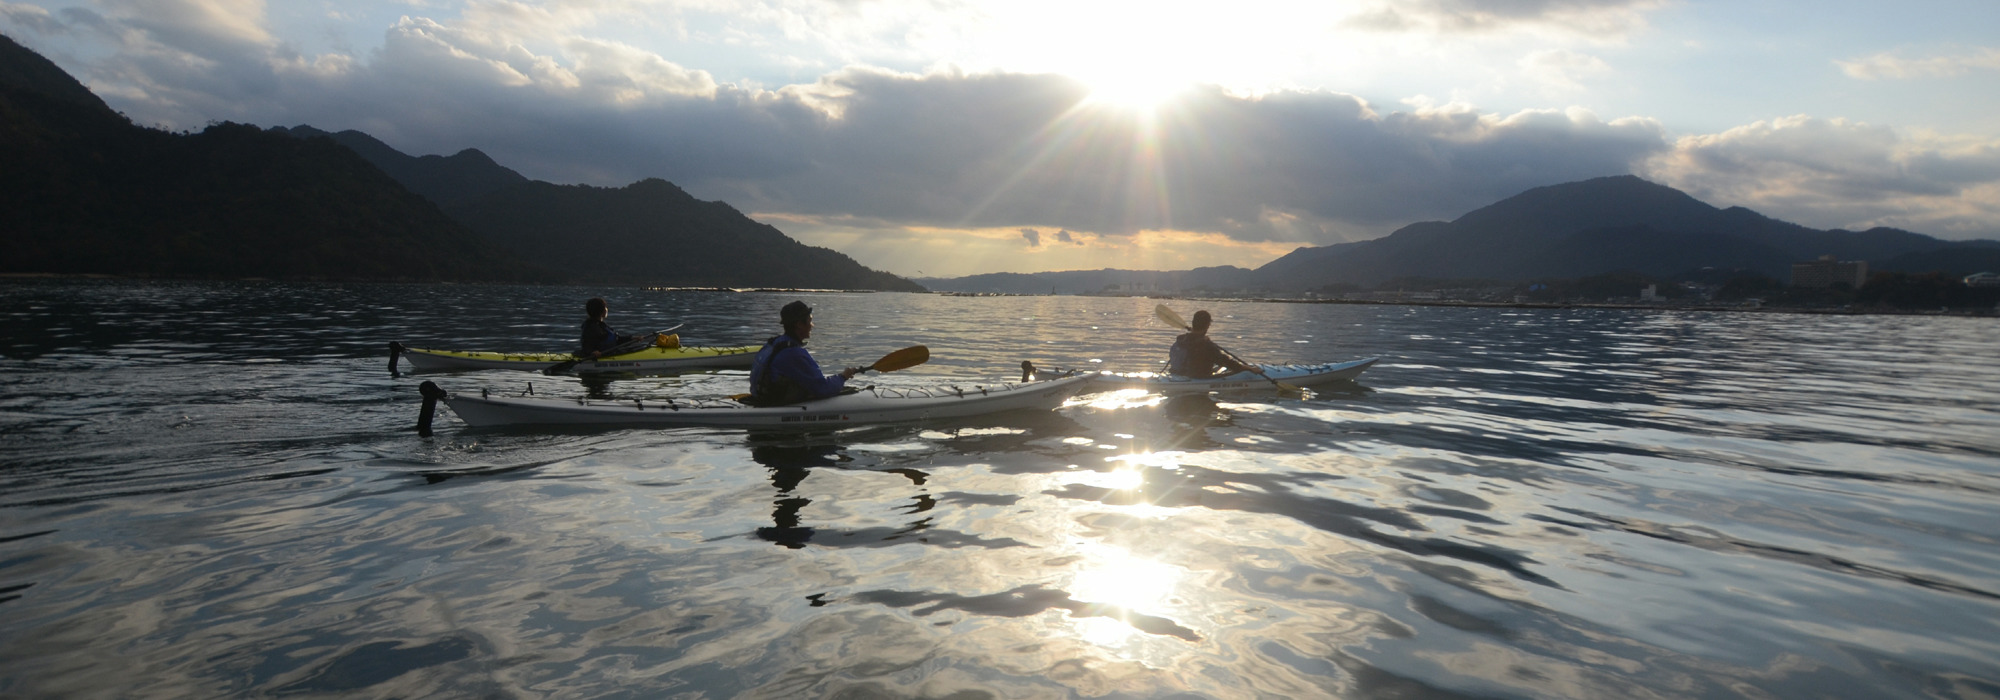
{"points": [[1200, 323], [797, 318], [595, 309]]}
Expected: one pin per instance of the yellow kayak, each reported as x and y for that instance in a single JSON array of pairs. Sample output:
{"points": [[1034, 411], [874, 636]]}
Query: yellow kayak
{"points": [[648, 360]]}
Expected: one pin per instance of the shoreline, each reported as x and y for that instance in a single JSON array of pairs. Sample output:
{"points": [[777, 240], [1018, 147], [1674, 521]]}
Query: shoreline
{"points": [[1635, 306], [1849, 311]]}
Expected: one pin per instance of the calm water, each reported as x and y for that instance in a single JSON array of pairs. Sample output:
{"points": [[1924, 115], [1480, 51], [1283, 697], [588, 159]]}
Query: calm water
{"points": [[213, 490]]}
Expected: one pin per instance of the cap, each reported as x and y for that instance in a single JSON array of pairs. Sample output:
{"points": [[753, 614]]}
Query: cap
{"points": [[794, 312]]}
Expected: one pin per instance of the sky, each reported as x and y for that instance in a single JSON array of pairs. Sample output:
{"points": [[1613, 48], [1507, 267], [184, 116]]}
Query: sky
{"points": [[952, 137]]}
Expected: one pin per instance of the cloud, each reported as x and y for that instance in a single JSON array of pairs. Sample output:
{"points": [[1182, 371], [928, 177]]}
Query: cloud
{"points": [[1604, 18], [1833, 173], [1562, 69], [195, 26], [1009, 154], [1890, 66], [32, 18], [945, 148]]}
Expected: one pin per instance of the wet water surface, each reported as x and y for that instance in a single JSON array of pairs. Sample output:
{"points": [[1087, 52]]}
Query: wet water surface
{"points": [[214, 490]]}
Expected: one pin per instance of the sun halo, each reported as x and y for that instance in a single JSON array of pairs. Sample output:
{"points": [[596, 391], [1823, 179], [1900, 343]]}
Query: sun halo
{"points": [[1133, 92]]}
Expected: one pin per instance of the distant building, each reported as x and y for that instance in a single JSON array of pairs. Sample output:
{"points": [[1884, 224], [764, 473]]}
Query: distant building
{"points": [[1651, 292], [1826, 272], [1982, 279]]}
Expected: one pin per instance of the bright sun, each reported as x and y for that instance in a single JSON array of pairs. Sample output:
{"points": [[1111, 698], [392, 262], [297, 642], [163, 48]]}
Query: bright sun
{"points": [[1134, 92]]}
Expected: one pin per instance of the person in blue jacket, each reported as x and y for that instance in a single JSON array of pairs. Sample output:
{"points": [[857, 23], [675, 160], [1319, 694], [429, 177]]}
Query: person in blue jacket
{"points": [[783, 372]]}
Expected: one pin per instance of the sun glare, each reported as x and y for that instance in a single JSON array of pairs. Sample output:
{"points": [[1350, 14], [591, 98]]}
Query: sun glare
{"points": [[1140, 93]]}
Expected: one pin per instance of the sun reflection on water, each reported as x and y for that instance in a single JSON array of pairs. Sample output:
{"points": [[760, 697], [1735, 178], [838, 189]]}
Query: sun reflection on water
{"points": [[1126, 585], [1119, 399]]}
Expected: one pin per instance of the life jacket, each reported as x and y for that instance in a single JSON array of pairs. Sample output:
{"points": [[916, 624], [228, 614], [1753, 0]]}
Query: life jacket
{"points": [[610, 337], [770, 389], [1177, 357]]}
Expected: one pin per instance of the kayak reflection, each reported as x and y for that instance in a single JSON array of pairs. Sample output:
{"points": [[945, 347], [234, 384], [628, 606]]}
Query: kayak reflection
{"points": [[790, 459]]}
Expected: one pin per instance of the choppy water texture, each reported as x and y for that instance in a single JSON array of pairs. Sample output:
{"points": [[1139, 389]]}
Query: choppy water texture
{"points": [[213, 490]]}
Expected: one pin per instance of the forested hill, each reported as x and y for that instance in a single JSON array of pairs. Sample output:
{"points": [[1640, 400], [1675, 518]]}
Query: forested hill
{"points": [[652, 232], [84, 191], [445, 180], [649, 232], [1604, 225]]}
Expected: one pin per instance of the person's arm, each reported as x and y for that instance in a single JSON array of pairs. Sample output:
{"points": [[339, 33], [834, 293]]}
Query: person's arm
{"points": [[1229, 366], [799, 366]]}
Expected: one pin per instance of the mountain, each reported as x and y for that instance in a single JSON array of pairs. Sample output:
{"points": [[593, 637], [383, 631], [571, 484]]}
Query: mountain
{"points": [[86, 191], [1573, 230], [445, 180], [1592, 227], [1091, 281], [650, 232]]}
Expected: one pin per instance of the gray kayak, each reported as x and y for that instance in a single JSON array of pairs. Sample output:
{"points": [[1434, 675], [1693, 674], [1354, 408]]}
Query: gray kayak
{"points": [[863, 407]]}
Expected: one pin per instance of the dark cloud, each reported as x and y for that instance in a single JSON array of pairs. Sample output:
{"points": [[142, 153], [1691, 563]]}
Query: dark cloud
{"points": [[1833, 173], [1033, 237], [33, 19], [948, 149]]}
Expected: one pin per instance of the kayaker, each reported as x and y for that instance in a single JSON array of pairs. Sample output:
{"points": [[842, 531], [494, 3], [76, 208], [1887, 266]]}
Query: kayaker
{"points": [[1194, 355], [598, 336], [784, 372]]}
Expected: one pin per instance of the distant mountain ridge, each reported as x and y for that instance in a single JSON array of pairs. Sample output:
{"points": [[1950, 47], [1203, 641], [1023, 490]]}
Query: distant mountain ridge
{"points": [[1571, 230], [652, 232], [83, 190], [445, 180], [1590, 227], [649, 232], [1092, 281]]}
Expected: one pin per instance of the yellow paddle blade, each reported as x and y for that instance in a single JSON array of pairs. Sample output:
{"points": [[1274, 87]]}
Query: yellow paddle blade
{"points": [[902, 359], [1169, 317]]}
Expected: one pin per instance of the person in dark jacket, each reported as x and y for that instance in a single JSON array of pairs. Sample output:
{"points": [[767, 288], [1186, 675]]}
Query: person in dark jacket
{"points": [[598, 336], [783, 372], [1194, 355]]}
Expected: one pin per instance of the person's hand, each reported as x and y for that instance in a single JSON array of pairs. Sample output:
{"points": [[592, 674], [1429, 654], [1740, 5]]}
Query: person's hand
{"points": [[851, 371]]}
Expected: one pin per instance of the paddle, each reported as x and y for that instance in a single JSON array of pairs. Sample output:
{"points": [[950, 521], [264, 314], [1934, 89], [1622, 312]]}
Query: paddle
{"points": [[1174, 319], [565, 365], [900, 359]]}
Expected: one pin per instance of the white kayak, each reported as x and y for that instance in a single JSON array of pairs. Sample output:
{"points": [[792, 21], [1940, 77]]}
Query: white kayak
{"points": [[1295, 375], [643, 361], [870, 405]]}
